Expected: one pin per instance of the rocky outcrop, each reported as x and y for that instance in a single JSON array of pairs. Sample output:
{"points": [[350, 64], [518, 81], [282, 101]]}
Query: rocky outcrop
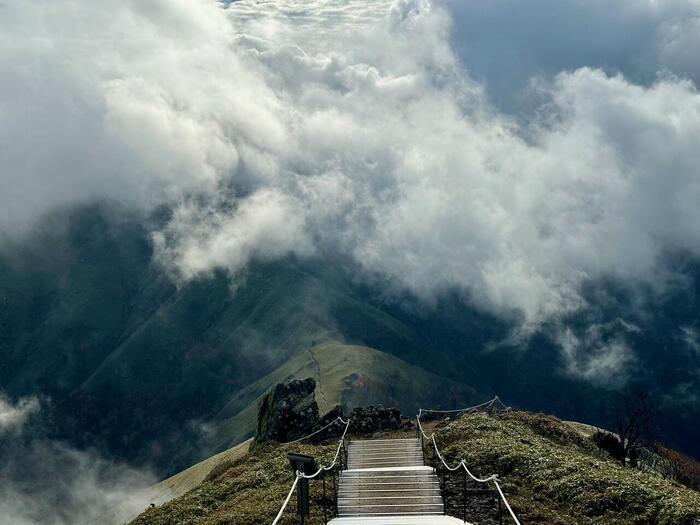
{"points": [[366, 420], [333, 431], [288, 412]]}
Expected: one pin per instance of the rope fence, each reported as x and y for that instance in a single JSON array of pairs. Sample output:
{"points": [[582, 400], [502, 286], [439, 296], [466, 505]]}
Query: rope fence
{"points": [[336, 420], [491, 406], [494, 405], [300, 475]]}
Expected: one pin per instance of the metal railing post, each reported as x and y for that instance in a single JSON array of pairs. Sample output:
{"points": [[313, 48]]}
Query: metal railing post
{"points": [[335, 493], [325, 503], [444, 507], [422, 445], [464, 496], [303, 499]]}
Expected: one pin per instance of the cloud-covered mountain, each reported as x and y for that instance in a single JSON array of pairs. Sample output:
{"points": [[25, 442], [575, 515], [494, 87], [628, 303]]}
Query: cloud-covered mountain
{"points": [[299, 127], [136, 365], [501, 193]]}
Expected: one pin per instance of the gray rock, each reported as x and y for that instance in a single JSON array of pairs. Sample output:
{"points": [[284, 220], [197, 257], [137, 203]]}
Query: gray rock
{"points": [[366, 420], [288, 412], [333, 431]]}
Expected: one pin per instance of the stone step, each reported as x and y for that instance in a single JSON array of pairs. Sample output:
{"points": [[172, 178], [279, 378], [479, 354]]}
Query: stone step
{"points": [[390, 500], [373, 464], [398, 520], [387, 454], [391, 487], [354, 446], [409, 461], [388, 478], [390, 440], [390, 494], [413, 471], [366, 487], [391, 510], [418, 460], [363, 450], [415, 460], [385, 451], [361, 465]]}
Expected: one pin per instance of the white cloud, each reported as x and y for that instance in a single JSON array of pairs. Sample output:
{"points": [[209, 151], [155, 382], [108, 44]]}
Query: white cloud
{"points": [[298, 126], [690, 337], [13, 416], [600, 354], [49, 483], [46, 482], [266, 225]]}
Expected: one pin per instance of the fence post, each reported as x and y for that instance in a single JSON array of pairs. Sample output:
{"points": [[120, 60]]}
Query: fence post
{"points": [[422, 445], [303, 499], [325, 503], [500, 509], [335, 493], [464, 496]]}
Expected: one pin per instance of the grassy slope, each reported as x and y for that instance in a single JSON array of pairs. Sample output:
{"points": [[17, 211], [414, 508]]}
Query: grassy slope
{"points": [[133, 363], [345, 374], [550, 472], [182, 482], [248, 491], [555, 475]]}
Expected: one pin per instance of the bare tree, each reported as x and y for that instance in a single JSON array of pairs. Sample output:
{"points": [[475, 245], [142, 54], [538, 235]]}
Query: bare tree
{"points": [[635, 419]]}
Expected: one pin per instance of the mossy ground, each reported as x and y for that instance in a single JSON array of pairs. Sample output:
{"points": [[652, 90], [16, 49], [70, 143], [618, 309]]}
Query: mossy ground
{"points": [[554, 475], [551, 473], [248, 491]]}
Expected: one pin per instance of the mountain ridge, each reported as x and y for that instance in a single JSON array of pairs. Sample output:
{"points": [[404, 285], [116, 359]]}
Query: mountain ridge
{"points": [[138, 364]]}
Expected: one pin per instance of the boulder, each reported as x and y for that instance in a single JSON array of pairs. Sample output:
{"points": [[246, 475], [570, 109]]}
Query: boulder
{"points": [[288, 412]]}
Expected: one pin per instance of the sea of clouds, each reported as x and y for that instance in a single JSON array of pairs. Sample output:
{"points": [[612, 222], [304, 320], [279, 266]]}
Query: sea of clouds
{"points": [[512, 150]]}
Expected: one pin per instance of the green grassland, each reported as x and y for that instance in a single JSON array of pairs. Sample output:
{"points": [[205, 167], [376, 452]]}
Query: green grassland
{"points": [[347, 375], [551, 473], [555, 475], [247, 491]]}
